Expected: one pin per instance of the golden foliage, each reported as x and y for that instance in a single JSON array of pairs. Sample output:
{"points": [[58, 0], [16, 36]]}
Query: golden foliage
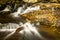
{"points": [[41, 14]]}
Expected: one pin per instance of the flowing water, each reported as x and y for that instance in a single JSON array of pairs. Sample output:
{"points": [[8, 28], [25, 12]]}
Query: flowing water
{"points": [[29, 32]]}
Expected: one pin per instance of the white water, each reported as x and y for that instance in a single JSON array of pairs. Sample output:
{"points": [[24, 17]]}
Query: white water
{"points": [[6, 9], [30, 32], [30, 9], [21, 10]]}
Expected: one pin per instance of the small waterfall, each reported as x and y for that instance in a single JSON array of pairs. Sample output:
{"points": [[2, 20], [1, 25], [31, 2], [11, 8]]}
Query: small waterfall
{"points": [[30, 9], [23, 10], [30, 32], [9, 27]]}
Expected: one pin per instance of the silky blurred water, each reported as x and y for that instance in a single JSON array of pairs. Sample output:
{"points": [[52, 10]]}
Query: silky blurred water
{"points": [[29, 32]]}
